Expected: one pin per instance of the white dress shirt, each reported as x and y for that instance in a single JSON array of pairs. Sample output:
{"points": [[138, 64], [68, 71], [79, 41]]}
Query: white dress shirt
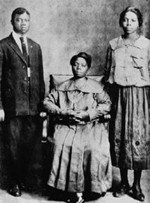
{"points": [[16, 37]]}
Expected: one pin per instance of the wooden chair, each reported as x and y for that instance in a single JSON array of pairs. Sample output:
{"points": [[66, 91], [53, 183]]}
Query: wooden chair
{"points": [[54, 81]]}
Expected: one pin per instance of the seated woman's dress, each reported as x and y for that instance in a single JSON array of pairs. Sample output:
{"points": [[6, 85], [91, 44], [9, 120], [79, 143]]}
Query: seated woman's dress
{"points": [[80, 151]]}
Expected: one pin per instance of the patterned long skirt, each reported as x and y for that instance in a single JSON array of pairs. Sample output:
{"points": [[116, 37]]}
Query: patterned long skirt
{"points": [[130, 127]]}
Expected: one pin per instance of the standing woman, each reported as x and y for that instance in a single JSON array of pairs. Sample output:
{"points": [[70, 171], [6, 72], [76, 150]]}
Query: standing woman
{"points": [[127, 73]]}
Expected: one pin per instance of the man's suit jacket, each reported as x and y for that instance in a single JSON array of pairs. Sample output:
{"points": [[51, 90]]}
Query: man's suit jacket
{"points": [[18, 95]]}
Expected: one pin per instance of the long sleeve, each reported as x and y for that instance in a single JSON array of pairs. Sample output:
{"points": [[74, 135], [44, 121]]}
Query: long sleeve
{"points": [[50, 103], [103, 105], [41, 73], [1, 67], [108, 63], [149, 60]]}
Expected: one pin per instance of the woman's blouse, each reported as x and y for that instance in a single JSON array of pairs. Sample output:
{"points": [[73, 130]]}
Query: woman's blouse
{"points": [[87, 96], [128, 64]]}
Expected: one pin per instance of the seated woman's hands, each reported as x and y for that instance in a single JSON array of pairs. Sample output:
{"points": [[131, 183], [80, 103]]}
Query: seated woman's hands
{"points": [[73, 117], [65, 115], [82, 116], [70, 116]]}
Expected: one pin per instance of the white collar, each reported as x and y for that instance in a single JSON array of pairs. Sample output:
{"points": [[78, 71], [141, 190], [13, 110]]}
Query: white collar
{"points": [[17, 36]]}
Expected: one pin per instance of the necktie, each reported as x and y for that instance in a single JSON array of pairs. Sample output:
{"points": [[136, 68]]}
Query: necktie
{"points": [[24, 49], [25, 54]]}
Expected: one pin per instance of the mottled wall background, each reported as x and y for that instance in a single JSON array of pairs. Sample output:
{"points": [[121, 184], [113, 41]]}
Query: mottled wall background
{"points": [[66, 27]]}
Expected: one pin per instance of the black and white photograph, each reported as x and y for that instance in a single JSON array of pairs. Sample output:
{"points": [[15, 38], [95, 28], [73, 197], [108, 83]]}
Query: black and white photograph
{"points": [[74, 101]]}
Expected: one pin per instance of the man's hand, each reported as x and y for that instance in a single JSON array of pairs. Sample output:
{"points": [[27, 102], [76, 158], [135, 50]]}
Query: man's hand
{"points": [[2, 115]]}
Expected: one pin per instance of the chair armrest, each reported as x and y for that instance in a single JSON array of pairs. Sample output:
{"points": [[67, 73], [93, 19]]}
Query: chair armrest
{"points": [[44, 118], [105, 118]]}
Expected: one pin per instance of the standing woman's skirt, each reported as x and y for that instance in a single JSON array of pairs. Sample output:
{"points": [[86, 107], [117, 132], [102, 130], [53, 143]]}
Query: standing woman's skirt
{"points": [[130, 127]]}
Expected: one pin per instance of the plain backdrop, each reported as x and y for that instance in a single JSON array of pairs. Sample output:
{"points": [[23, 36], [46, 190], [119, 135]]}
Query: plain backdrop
{"points": [[66, 27]]}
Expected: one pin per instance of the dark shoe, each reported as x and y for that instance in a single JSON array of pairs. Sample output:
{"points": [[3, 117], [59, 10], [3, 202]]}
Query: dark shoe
{"points": [[103, 194], [25, 187], [22, 186], [138, 195], [15, 191], [124, 189]]}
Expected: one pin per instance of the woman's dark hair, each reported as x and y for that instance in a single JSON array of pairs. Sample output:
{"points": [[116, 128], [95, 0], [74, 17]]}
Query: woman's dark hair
{"points": [[84, 55], [18, 11], [134, 10]]}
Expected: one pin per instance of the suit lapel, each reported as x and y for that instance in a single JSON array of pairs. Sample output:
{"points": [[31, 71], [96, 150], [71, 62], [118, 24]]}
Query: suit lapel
{"points": [[15, 47], [30, 50]]}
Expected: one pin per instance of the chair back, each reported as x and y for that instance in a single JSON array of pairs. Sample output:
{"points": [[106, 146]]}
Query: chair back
{"points": [[57, 79]]}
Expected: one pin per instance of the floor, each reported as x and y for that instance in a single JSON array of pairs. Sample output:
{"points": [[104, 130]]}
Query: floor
{"points": [[34, 198]]}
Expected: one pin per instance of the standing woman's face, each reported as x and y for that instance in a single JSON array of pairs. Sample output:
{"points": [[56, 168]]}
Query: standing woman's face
{"points": [[130, 24], [21, 23], [80, 68]]}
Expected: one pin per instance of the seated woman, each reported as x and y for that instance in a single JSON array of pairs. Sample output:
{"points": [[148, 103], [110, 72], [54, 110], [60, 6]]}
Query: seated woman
{"points": [[81, 161]]}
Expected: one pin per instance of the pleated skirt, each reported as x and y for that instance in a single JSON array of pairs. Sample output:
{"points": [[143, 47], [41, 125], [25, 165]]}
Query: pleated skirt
{"points": [[81, 158], [130, 127]]}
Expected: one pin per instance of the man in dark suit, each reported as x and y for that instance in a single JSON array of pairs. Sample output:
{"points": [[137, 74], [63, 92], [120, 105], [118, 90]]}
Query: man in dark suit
{"points": [[21, 93]]}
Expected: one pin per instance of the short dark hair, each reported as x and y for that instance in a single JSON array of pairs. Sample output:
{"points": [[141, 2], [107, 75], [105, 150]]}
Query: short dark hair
{"points": [[134, 10], [84, 55], [19, 11]]}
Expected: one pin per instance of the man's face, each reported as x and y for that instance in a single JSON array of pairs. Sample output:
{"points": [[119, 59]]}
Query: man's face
{"points": [[21, 23]]}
